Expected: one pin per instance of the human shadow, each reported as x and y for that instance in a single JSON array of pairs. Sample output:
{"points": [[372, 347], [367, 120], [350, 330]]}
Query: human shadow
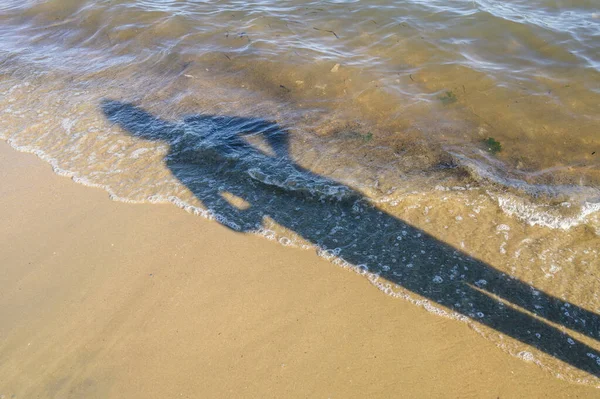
{"points": [[212, 156]]}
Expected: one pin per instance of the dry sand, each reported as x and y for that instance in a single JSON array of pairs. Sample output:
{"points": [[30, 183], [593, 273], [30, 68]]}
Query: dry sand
{"points": [[101, 299]]}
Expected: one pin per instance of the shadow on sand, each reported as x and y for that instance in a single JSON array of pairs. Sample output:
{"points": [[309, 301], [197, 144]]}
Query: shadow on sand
{"points": [[211, 156]]}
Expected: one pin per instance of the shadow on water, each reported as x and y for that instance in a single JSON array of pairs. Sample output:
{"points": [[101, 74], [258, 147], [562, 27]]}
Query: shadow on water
{"points": [[213, 158]]}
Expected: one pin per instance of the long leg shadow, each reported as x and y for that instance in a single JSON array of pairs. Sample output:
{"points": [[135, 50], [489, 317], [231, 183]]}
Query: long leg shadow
{"points": [[211, 157]]}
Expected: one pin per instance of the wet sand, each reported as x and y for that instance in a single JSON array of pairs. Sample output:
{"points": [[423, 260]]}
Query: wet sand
{"points": [[102, 299]]}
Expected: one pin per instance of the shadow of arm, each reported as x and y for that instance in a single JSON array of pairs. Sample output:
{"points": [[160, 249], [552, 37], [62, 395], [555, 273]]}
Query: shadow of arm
{"points": [[138, 122]]}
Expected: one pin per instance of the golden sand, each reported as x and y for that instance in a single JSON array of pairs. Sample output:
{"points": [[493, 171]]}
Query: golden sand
{"points": [[101, 299]]}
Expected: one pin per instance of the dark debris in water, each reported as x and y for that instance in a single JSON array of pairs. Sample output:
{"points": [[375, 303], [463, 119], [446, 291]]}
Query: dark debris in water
{"points": [[329, 31]]}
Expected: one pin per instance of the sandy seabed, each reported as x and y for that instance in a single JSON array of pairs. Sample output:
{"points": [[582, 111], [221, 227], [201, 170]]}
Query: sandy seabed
{"points": [[101, 299]]}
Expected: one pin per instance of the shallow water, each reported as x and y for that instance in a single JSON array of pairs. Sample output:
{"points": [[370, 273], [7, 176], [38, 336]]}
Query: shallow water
{"points": [[360, 130]]}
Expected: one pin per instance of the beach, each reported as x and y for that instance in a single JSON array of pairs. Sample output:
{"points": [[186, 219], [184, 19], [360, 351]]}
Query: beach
{"points": [[288, 198], [103, 299]]}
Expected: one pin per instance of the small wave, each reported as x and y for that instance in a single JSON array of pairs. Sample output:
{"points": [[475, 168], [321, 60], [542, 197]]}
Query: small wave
{"points": [[483, 167], [298, 182], [543, 215], [577, 203]]}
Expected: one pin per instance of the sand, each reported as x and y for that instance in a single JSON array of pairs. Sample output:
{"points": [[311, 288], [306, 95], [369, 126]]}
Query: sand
{"points": [[101, 299]]}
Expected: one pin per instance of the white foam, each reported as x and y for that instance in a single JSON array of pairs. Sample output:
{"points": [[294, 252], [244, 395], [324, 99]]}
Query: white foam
{"points": [[526, 356], [536, 215]]}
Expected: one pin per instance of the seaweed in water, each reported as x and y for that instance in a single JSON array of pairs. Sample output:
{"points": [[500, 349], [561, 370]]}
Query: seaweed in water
{"points": [[448, 98], [493, 146]]}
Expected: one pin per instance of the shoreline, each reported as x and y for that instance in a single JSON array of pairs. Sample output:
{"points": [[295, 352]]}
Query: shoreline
{"points": [[107, 299]]}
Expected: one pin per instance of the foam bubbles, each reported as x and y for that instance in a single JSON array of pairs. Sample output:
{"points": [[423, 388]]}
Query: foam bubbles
{"points": [[536, 215], [526, 356]]}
